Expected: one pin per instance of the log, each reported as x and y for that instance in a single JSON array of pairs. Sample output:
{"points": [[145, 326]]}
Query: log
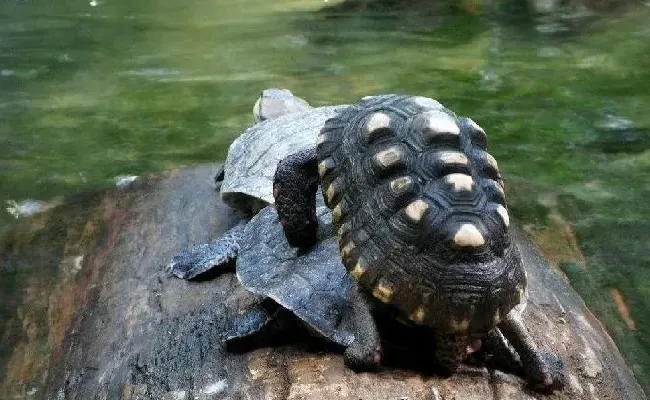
{"points": [[89, 313]]}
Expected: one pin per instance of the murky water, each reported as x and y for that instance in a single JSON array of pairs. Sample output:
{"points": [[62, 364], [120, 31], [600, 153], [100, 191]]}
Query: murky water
{"points": [[93, 90]]}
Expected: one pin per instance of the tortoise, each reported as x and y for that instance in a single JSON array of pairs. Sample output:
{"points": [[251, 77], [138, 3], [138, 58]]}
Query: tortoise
{"points": [[313, 285], [286, 123], [419, 209]]}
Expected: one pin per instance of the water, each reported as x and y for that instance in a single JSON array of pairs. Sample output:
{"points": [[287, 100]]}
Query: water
{"points": [[93, 90]]}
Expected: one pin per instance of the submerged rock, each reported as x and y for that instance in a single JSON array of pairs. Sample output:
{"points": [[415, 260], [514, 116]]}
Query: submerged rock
{"points": [[619, 135]]}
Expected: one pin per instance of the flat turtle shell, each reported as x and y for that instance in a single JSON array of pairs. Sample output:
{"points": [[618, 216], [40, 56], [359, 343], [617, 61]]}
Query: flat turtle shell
{"points": [[253, 156], [314, 285]]}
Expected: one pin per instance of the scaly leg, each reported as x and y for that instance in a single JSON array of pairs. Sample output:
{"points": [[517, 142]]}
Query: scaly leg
{"points": [[197, 261], [497, 353], [544, 370], [365, 352], [294, 188]]}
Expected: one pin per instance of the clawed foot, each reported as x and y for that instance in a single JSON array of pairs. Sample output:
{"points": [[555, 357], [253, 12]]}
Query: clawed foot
{"points": [[363, 358], [545, 374]]}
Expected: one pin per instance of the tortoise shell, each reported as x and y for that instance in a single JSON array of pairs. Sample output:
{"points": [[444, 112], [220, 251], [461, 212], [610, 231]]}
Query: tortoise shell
{"points": [[419, 207]]}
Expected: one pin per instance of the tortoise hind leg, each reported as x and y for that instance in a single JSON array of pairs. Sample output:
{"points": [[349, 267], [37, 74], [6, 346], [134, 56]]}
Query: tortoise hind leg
{"points": [[294, 188], [543, 369], [206, 259], [365, 351]]}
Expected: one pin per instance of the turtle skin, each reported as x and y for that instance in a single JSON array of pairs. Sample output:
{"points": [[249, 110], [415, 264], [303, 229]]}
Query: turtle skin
{"points": [[420, 213], [311, 285]]}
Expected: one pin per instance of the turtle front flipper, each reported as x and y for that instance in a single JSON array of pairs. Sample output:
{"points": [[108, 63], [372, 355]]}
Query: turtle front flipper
{"points": [[544, 370], [294, 189], [364, 353], [197, 261]]}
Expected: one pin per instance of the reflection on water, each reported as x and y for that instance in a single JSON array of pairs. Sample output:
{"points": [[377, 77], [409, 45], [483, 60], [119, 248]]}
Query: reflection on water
{"points": [[93, 90]]}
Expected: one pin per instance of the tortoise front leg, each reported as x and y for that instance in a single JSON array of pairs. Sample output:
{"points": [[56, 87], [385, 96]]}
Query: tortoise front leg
{"points": [[364, 353], [294, 188], [499, 354], [544, 370]]}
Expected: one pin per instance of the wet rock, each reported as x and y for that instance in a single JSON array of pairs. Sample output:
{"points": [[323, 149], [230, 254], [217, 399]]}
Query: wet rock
{"points": [[88, 313]]}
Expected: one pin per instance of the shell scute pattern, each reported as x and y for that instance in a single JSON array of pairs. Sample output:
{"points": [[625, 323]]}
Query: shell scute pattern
{"points": [[422, 132], [494, 191], [386, 160], [435, 164], [376, 128], [328, 138], [439, 127], [393, 195], [486, 166], [371, 256], [477, 135], [410, 231], [411, 181], [326, 166]]}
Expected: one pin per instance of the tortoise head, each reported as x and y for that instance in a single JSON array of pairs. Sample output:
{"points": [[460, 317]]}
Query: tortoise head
{"points": [[481, 291]]}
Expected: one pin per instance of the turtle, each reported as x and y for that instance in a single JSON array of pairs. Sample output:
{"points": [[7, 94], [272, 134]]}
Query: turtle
{"points": [[420, 214], [311, 285], [285, 123]]}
